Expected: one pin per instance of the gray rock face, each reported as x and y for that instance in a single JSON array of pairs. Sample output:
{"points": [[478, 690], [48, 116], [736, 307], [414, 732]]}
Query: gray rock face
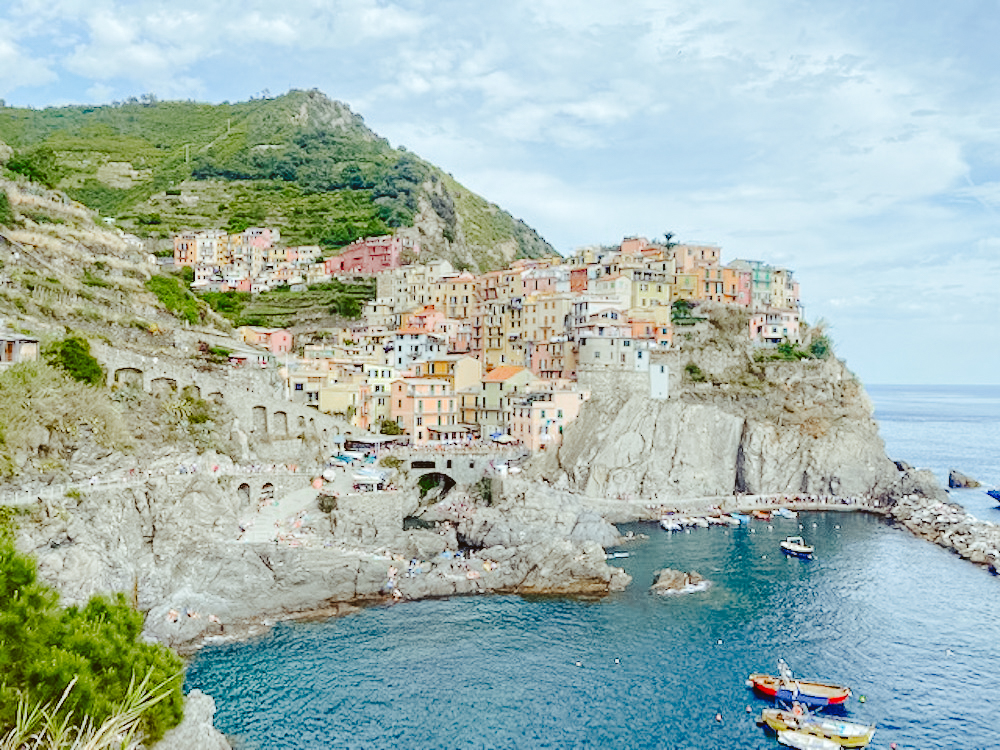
{"points": [[958, 480], [810, 431], [196, 731], [173, 544]]}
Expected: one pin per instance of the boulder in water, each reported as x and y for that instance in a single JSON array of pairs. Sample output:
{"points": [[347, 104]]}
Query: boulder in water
{"points": [[670, 581], [958, 480]]}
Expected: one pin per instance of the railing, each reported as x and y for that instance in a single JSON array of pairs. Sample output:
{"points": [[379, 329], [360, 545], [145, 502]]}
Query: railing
{"points": [[23, 497]]}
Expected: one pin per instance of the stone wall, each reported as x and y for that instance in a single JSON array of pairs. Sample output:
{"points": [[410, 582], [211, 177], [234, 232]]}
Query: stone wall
{"points": [[254, 397]]}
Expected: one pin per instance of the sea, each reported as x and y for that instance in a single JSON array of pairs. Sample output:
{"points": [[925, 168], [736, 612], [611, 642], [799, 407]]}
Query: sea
{"points": [[911, 628]]}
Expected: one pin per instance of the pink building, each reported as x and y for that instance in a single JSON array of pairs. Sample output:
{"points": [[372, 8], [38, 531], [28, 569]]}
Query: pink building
{"points": [[370, 255], [774, 326], [275, 340], [736, 286], [554, 360], [537, 420], [426, 409]]}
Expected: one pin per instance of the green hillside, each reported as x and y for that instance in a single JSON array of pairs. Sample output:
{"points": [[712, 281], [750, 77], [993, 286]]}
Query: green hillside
{"points": [[300, 162]]}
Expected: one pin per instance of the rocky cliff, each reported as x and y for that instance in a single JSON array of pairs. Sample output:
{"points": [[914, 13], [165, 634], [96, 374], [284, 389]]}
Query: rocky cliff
{"points": [[177, 546], [811, 431], [731, 424]]}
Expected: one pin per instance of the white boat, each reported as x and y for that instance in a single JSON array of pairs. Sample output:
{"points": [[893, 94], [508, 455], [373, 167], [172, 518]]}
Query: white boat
{"points": [[701, 522], [801, 741], [795, 545], [669, 525], [786, 513]]}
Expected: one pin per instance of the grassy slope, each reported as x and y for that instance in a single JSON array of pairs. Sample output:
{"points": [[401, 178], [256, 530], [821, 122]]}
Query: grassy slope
{"points": [[299, 162]]}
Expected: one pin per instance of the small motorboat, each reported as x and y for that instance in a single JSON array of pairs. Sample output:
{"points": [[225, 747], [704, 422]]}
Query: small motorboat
{"points": [[802, 741], [795, 545], [740, 517], [668, 524], [844, 733], [788, 689], [786, 513], [761, 515], [995, 494]]}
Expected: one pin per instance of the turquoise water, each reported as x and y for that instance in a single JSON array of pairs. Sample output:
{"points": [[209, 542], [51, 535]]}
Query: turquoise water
{"points": [[906, 624]]}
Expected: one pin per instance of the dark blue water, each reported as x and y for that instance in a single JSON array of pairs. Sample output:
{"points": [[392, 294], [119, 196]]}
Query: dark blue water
{"points": [[909, 626]]}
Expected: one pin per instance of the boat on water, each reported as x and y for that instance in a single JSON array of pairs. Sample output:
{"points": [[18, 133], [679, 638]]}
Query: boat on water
{"points": [[844, 733], [668, 524], [786, 513], [995, 494], [762, 515], [795, 545], [788, 689], [740, 517], [802, 741]]}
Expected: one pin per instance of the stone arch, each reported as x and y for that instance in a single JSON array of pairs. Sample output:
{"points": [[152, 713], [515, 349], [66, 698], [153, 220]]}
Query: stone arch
{"points": [[259, 424], [433, 480], [266, 493], [243, 492], [279, 423], [162, 387], [191, 391], [128, 377]]}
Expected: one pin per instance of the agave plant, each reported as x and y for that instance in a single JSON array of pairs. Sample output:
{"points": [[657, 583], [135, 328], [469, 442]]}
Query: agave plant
{"points": [[46, 727]]}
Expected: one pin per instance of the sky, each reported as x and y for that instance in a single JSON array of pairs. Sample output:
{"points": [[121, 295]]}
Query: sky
{"points": [[853, 142]]}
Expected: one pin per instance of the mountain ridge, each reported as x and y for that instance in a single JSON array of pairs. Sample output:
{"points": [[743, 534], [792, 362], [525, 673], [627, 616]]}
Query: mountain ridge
{"points": [[302, 162]]}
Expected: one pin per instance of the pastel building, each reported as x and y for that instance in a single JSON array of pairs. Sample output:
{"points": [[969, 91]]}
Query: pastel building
{"points": [[275, 340], [538, 419], [371, 255], [427, 410]]}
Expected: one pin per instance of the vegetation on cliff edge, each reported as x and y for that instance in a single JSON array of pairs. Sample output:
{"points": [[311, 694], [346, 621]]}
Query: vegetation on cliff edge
{"points": [[96, 648]]}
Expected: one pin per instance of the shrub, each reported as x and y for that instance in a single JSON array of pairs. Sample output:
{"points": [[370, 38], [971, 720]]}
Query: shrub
{"points": [[388, 427], [694, 373], [173, 296], [96, 648], [390, 462], [6, 212], [72, 354], [38, 165]]}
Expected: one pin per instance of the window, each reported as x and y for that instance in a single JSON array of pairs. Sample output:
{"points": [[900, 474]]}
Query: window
{"points": [[420, 421], [298, 386]]}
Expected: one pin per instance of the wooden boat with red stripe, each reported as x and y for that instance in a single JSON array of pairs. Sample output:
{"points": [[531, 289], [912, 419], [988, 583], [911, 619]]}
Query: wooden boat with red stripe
{"points": [[811, 693]]}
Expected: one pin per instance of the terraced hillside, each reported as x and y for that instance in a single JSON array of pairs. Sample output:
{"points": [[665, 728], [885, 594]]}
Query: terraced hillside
{"points": [[301, 162]]}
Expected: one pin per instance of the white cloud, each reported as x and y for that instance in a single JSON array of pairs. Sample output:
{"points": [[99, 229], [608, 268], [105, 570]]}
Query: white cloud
{"points": [[19, 69]]}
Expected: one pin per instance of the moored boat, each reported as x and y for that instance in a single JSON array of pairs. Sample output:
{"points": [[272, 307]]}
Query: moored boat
{"points": [[995, 494], [801, 741], [788, 689], [844, 733], [762, 515], [795, 545], [668, 524], [786, 513]]}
